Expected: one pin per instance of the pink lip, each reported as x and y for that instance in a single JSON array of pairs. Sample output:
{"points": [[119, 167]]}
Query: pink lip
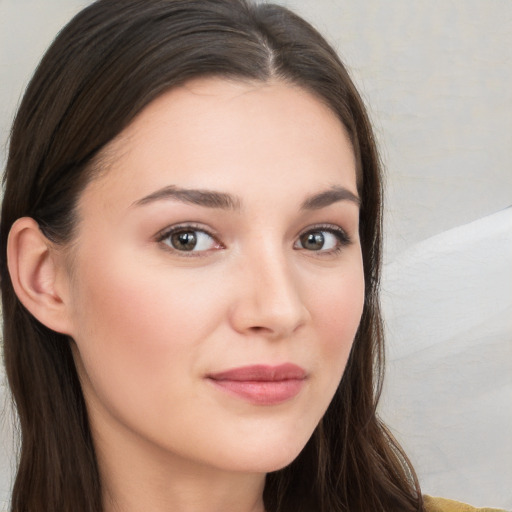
{"points": [[262, 384]]}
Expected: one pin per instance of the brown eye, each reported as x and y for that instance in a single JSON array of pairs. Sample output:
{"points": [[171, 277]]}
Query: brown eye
{"points": [[313, 241], [325, 240], [184, 239]]}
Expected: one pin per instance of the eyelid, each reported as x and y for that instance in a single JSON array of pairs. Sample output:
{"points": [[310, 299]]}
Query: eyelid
{"points": [[186, 226], [341, 234]]}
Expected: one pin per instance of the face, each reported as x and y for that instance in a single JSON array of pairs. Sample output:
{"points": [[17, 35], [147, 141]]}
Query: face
{"points": [[216, 282]]}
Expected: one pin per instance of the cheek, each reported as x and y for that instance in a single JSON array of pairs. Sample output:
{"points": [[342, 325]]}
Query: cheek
{"points": [[337, 311], [137, 330]]}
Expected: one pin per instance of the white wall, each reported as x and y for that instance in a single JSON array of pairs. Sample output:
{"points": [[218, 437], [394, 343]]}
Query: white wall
{"points": [[436, 75]]}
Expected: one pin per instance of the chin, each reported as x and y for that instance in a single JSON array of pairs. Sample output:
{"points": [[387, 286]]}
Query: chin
{"points": [[265, 457]]}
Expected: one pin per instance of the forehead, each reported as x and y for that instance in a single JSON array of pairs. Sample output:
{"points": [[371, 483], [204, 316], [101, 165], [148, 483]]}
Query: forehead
{"points": [[214, 132]]}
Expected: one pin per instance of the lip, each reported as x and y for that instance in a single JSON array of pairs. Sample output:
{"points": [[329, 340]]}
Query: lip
{"points": [[262, 384]]}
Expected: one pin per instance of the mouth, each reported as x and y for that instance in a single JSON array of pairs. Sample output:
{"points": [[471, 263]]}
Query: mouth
{"points": [[262, 384]]}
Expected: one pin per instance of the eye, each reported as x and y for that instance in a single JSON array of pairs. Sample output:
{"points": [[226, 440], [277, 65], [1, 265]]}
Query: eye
{"points": [[188, 239], [322, 240]]}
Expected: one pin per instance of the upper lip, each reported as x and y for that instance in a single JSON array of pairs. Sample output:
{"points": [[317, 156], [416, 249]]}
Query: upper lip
{"points": [[262, 373]]}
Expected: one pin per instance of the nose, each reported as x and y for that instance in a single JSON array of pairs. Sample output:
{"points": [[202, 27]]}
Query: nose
{"points": [[268, 299]]}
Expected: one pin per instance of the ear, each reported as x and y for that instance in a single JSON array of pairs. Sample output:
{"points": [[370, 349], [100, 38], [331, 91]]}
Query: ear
{"points": [[36, 269]]}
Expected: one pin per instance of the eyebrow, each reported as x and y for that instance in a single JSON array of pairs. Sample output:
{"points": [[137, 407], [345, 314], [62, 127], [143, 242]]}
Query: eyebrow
{"points": [[224, 201], [206, 198], [328, 197]]}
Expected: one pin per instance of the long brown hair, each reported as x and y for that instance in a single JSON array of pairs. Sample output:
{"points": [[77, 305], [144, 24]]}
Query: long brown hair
{"points": [[106, 65]]}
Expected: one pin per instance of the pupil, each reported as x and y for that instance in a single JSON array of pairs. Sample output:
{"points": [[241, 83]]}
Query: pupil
{"points": [[313, 241], [186, 241]]}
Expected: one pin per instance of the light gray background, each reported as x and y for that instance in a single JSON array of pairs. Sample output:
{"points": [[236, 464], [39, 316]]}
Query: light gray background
{"points": [[436, 76]]}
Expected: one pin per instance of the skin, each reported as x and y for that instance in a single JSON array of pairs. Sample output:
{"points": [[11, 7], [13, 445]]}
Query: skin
{"points": [[151, 322]]}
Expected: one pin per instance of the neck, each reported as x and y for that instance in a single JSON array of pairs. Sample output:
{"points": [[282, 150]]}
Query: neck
{"points": [[176, 492], [137, 476]]}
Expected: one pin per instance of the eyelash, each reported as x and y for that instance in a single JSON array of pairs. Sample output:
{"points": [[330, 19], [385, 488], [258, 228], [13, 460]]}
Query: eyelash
{"points": [[341, 236], [185, 228]]}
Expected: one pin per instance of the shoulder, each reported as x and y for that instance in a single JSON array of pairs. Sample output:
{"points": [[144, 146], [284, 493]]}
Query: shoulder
{"points": [[444, 505]]}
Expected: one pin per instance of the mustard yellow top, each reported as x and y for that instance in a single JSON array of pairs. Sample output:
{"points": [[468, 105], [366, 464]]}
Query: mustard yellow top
{"points": [[444, 505]]}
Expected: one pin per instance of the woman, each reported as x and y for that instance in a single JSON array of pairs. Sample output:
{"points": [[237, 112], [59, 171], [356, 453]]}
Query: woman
{"points": [[191, 239]]}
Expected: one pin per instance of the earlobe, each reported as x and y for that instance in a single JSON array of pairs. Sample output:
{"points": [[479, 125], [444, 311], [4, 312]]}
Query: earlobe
{"points": [[34, 266]]}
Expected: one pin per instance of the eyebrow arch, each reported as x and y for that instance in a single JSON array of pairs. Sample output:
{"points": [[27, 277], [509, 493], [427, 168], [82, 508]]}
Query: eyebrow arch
{"points": [[333, 195], [206, 198], [224, 201]]}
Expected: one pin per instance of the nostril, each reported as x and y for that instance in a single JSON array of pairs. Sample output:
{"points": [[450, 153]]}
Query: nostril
{"points": [[259, 329], [269, 307]]}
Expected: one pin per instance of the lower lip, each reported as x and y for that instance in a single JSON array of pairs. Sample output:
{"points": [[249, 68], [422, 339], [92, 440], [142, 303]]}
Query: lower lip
{"points": [[262, 392]]}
